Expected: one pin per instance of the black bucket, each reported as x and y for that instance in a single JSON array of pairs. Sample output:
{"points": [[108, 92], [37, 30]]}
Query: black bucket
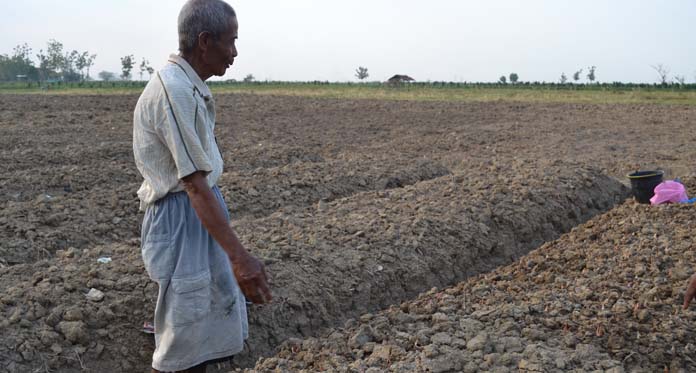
{"points": [[643, 184]]}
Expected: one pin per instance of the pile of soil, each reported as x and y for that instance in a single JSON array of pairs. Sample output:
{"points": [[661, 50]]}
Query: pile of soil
{"points": [[373, 249], [605, 297], [335, 260]]}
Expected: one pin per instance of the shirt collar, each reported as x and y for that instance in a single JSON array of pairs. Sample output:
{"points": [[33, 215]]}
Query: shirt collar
{"points": [[192, 75]]}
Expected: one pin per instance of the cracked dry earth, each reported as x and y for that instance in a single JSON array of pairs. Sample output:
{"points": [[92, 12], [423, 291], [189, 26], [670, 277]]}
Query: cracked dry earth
{"points": [[356, 207]]}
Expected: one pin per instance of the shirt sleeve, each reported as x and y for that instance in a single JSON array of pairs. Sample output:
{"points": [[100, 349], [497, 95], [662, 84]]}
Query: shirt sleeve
{"points": [[178, 129]]}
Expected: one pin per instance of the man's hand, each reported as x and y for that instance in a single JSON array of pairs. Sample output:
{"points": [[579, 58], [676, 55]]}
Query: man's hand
{"points": [[251, 277], [249, 271], [690, 291]]}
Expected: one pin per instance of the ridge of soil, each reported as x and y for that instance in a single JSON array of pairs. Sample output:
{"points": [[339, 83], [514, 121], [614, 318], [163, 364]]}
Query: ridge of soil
{"points": [[347, 257], [606, 297]]}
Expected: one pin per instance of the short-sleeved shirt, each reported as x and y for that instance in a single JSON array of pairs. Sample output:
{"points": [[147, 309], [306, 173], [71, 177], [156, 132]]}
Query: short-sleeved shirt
{"points": [[173, 131]]}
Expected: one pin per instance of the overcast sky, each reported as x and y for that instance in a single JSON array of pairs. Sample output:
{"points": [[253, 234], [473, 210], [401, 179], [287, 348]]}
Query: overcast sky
{"points": [[452, 40]]}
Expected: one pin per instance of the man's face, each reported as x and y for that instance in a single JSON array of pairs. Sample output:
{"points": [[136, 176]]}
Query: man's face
{"points": [[221, 52]]}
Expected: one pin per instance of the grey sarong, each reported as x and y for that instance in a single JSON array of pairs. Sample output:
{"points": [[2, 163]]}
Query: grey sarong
{"points": [[201, 312]]}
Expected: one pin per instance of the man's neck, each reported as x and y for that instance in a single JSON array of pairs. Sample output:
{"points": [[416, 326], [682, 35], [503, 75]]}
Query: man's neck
{"points": [[197, 65]]}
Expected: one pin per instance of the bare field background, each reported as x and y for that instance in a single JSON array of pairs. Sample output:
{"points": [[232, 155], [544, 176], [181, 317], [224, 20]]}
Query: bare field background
{"points": [[355, 206], [451, 92]]}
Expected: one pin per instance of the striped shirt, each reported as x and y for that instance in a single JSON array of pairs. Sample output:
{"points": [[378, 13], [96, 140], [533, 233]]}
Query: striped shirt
{"points": [[173, 131]]}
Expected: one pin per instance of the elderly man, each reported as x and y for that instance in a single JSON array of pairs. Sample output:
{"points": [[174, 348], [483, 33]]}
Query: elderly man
{"points": [[204, 273]]}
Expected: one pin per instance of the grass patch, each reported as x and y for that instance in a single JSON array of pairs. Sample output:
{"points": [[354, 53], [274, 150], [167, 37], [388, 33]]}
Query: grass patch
{"points": [[472, 94], [414, 92]]}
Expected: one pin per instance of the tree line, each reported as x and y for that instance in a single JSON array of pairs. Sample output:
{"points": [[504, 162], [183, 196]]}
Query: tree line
{"points": [[52, 64], [55, 63], [127, 65], [591, 76]]}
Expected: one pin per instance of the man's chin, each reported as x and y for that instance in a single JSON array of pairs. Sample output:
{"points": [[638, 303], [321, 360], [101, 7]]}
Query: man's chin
{"points": [[221, 72]]}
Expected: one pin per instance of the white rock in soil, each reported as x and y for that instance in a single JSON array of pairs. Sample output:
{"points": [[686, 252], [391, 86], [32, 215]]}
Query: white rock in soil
{"points": [[95, 295]]}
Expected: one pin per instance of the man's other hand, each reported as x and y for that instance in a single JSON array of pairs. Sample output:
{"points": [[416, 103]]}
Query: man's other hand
{"points": [[251, 277]]}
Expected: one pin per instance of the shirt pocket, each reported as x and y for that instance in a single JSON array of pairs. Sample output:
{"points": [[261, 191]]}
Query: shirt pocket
{"points": [[158, 256], [189, 300]]}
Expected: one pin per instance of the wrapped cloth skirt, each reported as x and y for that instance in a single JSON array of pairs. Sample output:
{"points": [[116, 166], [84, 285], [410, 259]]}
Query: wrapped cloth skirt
{"points": [[201, 312]]}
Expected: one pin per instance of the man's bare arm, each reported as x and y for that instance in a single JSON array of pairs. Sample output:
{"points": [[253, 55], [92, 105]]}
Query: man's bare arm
{"points": [[249, 271]]}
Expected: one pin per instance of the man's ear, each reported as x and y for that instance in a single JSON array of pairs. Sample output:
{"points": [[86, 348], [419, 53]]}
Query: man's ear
{"points": [[204, 40]]}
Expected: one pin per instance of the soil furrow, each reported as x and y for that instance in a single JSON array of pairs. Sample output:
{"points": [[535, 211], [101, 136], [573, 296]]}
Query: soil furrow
{"points": [[353, 255], [605, 297]]}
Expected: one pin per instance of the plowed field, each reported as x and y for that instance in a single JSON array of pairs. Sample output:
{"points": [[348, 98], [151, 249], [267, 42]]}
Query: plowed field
{"points": [[356, 206]]}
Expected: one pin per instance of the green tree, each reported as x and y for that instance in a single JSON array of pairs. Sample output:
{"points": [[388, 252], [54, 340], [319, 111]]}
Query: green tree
{"points": [[51, 61], [54, 50], [107, 76], [69, 72], [143, 67], [83, 62], [126, 66], [5, 68], [248, 79], [502, 79], [591, 73], [576, 75], [55, 63], [89, 64], [361, 73], [43, 65], [22, 53], [80, 64], [18, 64], [564, 78], [513, 78]]}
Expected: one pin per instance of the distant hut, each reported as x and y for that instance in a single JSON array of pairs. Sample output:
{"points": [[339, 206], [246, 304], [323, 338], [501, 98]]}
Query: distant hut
{"points": [[399, 79]]}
